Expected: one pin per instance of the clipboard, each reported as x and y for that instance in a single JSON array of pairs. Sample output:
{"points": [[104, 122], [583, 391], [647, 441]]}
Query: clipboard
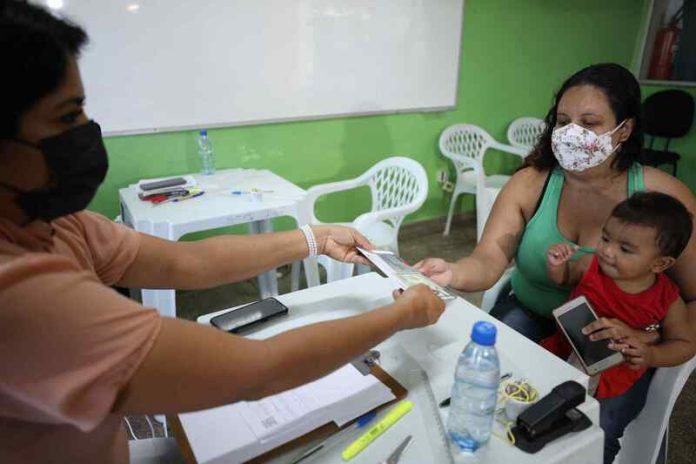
{"points": [[319, 433]]}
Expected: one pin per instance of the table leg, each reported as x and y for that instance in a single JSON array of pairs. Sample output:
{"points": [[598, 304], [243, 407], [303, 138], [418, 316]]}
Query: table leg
{"points": [[311, 268], [268, 281]]}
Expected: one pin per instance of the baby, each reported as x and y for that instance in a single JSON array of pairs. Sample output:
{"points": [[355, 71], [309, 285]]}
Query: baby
{"points": [[624, 281]]}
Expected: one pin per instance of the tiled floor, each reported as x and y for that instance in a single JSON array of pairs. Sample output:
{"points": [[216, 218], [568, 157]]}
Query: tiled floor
{"points": [[419, 240]]}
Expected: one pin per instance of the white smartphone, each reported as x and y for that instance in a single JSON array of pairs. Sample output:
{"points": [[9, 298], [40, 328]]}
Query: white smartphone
{"points": [[595, 356]]}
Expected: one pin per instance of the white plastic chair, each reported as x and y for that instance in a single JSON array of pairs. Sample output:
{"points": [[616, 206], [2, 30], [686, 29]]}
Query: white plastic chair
{"points": [[399, 186], [525, 132], [163, 450], [466, 145], [490, 296], [643, 437]]}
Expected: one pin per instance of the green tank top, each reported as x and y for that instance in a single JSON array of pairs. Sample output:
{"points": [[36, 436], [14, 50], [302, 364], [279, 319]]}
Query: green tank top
{"points": [[529, 280]]}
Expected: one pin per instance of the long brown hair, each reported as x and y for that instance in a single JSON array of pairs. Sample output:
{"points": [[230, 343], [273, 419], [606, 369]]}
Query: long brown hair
{"points": [[622, 91]]}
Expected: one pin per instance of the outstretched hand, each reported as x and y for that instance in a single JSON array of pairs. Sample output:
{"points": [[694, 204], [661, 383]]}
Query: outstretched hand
{"points": [[419, 305], [437, 269], [340, 243]]}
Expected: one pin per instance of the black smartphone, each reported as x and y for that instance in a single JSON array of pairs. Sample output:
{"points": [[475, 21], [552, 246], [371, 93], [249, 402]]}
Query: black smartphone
{"points": [[246, 317], [158, 184]]}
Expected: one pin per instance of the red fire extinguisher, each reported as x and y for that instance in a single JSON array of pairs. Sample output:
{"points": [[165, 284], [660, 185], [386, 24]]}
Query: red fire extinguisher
{"points": [[663, 53], [665, 47]]}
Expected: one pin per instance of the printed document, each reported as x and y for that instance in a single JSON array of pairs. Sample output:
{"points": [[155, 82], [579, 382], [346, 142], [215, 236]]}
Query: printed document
{"points": [[395, 268], [247, 429]]}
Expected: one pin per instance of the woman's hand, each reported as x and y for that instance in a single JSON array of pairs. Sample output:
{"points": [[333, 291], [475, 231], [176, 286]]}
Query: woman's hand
{"points": [[439, 270], [340, 243], [419, 305]]}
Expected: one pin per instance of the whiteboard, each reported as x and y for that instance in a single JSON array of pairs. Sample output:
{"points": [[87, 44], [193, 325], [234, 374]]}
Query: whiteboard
{"points": [[163, 65]]}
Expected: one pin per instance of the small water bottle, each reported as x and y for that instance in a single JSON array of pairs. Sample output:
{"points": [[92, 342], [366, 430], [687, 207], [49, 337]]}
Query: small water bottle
{"points": [[475, 390], [205, 151]]}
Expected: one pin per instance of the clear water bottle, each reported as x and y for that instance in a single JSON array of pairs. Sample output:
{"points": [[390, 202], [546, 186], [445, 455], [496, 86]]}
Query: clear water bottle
{"points": [[475, 390], [205, 151]]}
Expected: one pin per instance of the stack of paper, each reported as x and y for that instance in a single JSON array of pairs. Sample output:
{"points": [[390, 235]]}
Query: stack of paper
{"points": [[242, 431]]}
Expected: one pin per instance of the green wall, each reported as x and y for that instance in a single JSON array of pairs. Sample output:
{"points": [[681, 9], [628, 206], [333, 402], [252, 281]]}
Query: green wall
{"points": [[515, 54]]}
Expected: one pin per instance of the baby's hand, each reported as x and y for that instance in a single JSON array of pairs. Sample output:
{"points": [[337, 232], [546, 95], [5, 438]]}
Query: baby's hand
{"points": [[559, 254], [637, 354]]}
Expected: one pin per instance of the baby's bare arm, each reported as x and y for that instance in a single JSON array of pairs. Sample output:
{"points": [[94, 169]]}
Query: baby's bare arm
{"points": [[561, 269], [676, 346]]}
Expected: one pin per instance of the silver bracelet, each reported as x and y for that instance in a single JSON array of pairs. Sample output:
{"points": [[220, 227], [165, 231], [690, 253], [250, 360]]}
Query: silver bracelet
{"points": [[311, 240]]}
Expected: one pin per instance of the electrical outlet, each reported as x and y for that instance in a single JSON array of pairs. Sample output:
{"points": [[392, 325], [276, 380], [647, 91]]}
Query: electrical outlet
{"points": [[442, 176]]}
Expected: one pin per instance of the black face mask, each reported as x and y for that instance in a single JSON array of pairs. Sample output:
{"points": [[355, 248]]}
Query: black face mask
{"points": [[77, 163]]}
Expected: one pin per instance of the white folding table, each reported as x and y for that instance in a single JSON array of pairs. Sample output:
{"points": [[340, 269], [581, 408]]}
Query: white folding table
{"points": [[435, 349], [219, 207]]}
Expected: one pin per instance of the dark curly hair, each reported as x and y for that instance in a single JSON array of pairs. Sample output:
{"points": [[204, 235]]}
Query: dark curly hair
{"points": [[34, 53], [622, 91], [664, 213]]}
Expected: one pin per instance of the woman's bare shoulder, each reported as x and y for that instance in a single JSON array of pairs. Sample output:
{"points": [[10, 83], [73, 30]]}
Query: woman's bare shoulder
{"points": [[660, 181], [529, 176], [524, 188], [528, 182]]}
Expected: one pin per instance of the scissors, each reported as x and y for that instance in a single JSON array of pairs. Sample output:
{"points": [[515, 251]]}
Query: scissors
{"points": [[396, 454]]}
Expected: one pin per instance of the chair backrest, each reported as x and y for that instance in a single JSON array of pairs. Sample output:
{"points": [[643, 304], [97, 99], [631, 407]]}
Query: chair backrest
{"points": [[465, 144], [524, 132], [155, 451], [500, 289], [643, 437], [397, 182], [668, 113]]}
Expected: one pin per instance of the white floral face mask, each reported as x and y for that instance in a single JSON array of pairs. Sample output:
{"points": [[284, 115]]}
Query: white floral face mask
{"points": [[579, 149]]}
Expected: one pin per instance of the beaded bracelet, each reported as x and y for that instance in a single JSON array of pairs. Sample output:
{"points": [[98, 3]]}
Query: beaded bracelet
{"points": [[311, 240]]}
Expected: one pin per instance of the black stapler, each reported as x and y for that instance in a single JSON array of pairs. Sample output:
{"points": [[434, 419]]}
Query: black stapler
{"points": [[551, 417]]}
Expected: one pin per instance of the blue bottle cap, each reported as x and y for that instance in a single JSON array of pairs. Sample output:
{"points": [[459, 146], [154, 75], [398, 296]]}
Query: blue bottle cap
{"points": [[204, 132], [483, 333]]}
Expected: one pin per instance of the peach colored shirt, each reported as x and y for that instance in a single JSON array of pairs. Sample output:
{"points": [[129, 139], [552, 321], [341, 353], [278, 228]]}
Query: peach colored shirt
{"points": [[68, 342]]}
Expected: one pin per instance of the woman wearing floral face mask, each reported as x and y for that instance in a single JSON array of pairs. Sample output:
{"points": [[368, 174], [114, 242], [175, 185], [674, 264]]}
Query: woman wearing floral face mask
{"points": [[585, 163]]}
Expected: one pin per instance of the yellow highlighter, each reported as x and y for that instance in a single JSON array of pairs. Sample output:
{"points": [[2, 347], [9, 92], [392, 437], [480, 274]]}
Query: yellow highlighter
{"points": [[368, 437]]}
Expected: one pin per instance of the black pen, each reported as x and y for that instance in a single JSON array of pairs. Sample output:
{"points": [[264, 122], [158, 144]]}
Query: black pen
{"points": [[447, 401]]}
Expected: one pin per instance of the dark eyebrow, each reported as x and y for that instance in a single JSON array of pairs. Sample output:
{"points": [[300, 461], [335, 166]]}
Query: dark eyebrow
{"points": [[79, 101], [590, 114]]}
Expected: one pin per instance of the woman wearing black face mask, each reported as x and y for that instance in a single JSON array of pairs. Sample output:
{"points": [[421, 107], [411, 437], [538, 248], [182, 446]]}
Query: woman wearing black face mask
{"points": [[77, 162], [74, 355]]}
